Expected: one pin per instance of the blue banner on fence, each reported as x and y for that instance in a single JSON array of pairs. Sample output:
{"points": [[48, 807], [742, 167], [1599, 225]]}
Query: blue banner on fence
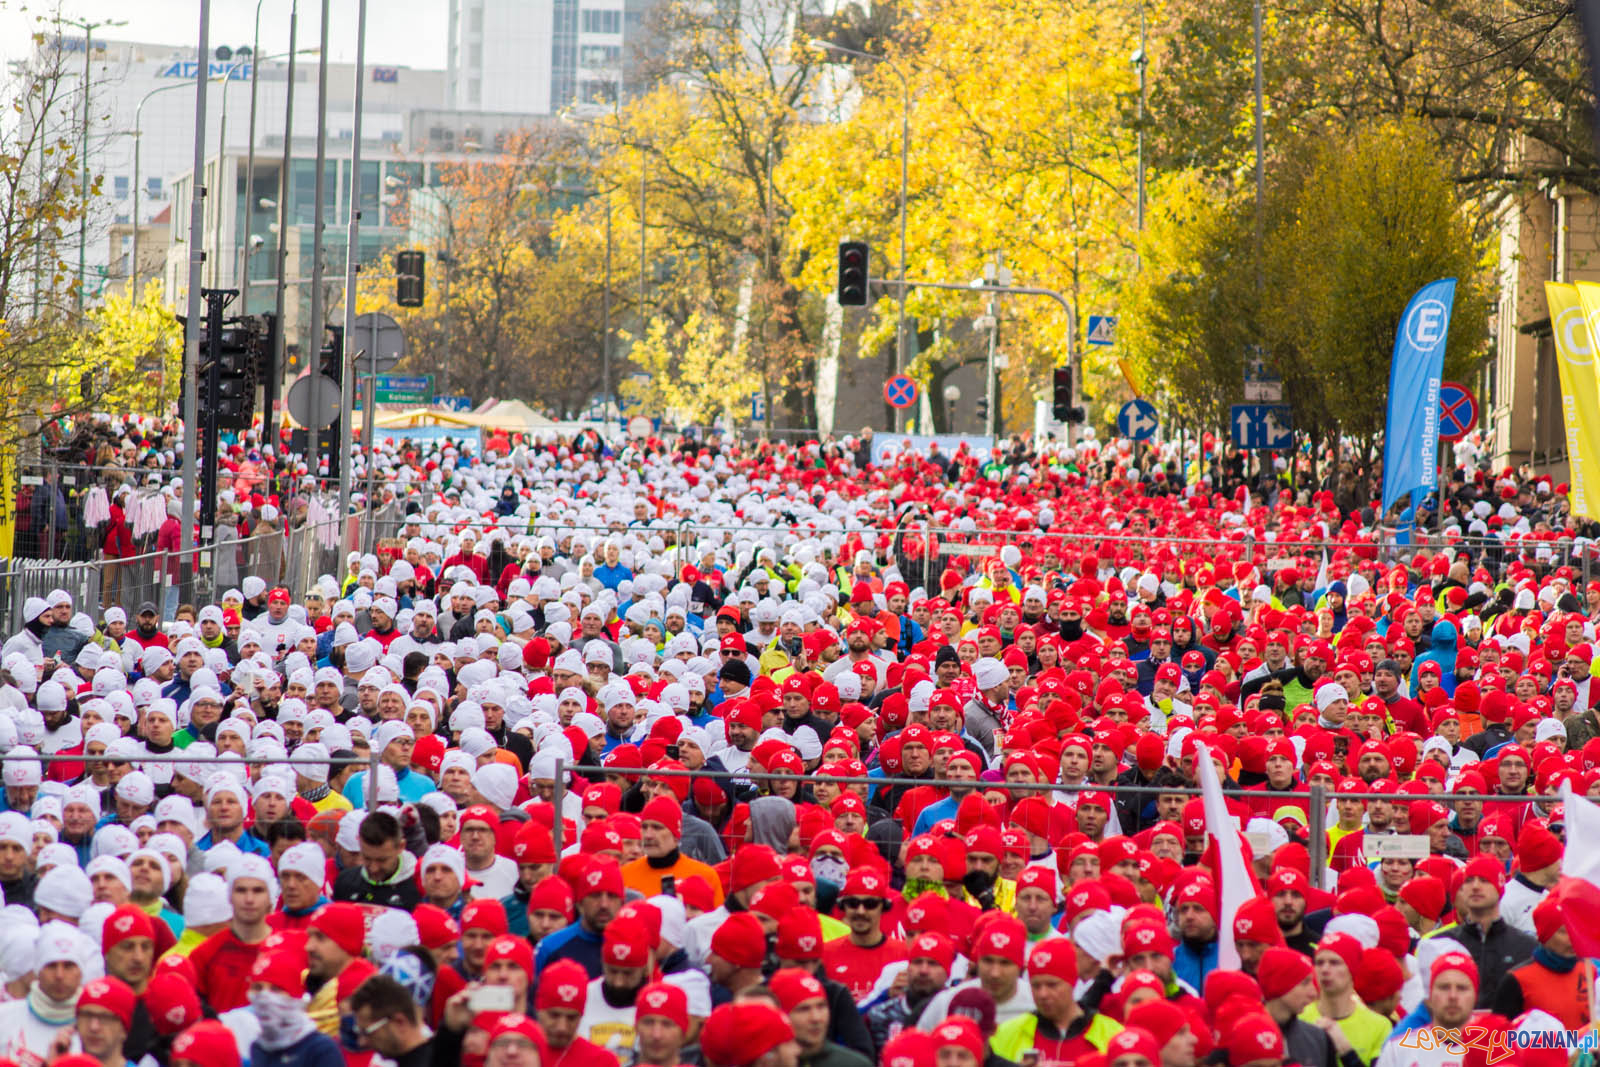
{"points": [[1411, 431]]}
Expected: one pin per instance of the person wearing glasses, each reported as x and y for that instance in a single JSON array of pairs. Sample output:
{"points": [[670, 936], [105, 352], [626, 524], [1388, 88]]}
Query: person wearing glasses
{"points": [[389, 1022], [856, 960]]}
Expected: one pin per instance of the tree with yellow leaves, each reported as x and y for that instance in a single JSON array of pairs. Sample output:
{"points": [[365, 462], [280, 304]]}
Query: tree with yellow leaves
{"points": [[506, 312], [1019, 145], [132, 352]]}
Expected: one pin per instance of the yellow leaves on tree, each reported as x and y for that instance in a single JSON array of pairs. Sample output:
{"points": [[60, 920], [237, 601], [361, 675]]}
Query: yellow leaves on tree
{"points": [[133, 351], [1020, 144]]}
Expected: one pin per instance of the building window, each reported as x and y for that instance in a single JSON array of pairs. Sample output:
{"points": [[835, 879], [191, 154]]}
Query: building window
{"points": [[600, 55], [120, 186], [474, 91], [475, 56], [475, 20], [602, 21], [152, 188], [596, 91]]}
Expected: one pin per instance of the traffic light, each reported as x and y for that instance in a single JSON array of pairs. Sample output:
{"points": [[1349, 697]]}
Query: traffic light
{"points": [[411, 268], [1062, 409], [983, 409], [1061, 393], [854, 258], [238, 356], [330, 362]]}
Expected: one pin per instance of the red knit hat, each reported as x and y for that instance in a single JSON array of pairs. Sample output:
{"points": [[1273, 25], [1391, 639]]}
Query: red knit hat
{"points": [[488, 915], [740, 940], [793, 987], [435, 927], [664, 810], [962, 1032], [1054, 959], [510, 948], [664, 1001], [1280, 970], [1004, 937], [1254, 1037], [207, 1042], [626, 943], [800, 935], [109, 994], [172, 1004], [738, 1034], [1134, 1041], [563, 984], [128, 921], [283, 970], [344, 924]]}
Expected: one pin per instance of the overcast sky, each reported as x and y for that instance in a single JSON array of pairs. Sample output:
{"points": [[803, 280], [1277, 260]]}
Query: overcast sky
{"points": [[399, 32]]}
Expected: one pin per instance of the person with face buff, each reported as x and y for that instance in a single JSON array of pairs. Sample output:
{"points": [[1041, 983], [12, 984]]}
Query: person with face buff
{"points": [[278, 997]]}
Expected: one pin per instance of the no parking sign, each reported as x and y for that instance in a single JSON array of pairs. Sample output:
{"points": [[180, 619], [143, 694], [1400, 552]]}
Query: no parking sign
{"points": [[1458, 411]]}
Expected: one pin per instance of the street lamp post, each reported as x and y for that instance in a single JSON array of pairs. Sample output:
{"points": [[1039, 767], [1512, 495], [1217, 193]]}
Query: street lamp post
{"points": [[88, 29], [250, 161], [905, 143]]}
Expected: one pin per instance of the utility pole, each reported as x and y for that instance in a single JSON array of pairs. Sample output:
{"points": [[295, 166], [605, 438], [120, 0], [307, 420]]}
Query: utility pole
{"points": [[352, 267], [280, 342], [191, 340], [250, 174], [88, 29], [314, 335]]}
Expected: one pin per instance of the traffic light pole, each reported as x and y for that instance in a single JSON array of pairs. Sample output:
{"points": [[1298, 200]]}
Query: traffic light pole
{"points": [[352, 265], [216, 302], [1015, 290], [191, 340]]}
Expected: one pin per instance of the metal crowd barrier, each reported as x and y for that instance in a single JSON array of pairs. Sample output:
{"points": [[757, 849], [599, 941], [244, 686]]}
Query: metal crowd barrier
{"points": [[1317, 798]]}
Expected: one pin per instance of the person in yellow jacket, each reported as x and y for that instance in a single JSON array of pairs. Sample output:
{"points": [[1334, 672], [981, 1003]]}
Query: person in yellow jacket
{"points": [[1058, 1027]]}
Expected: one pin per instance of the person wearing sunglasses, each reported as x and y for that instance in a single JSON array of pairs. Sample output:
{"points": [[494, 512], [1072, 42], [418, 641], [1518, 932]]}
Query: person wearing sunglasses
{"points": [[856, 960]]}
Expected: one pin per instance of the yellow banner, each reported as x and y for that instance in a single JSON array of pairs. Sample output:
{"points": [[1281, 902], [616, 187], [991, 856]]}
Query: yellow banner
{"points": [[1572, 309], [8, 502]]}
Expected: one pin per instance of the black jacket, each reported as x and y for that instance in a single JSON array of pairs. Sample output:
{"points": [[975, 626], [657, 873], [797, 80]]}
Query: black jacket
{"points": [[1496, 951], [352, 885]]}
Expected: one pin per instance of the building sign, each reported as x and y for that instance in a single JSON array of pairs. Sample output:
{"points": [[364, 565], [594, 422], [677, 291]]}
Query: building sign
{"points": [[188, 68], [386, 74]]}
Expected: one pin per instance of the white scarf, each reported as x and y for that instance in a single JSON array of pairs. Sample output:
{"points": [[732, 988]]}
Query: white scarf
{"points": [[283, 1019]]}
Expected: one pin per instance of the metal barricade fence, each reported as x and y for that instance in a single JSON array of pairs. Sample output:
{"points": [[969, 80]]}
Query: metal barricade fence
{"points": [[1317, 798], [295, 558]]}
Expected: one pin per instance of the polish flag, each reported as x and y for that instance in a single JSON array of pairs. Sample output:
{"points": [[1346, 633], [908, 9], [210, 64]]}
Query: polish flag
{"points": [[1579, 888], [1235, 884]]}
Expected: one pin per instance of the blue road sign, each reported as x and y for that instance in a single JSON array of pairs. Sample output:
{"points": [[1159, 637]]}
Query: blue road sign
{"points": [[1261, 425], [1137, 420], [758, 407], [900, 391], [454, 403], [1102, 329]]}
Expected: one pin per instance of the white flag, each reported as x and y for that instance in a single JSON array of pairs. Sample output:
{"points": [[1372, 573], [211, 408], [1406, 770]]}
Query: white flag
{"points": [[1235, 884]]}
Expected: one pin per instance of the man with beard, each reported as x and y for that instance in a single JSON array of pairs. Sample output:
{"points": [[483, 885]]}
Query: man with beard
{"points": [[625, 964], [599, 898], [146, 632], [1287, 889], [929, 959]]}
